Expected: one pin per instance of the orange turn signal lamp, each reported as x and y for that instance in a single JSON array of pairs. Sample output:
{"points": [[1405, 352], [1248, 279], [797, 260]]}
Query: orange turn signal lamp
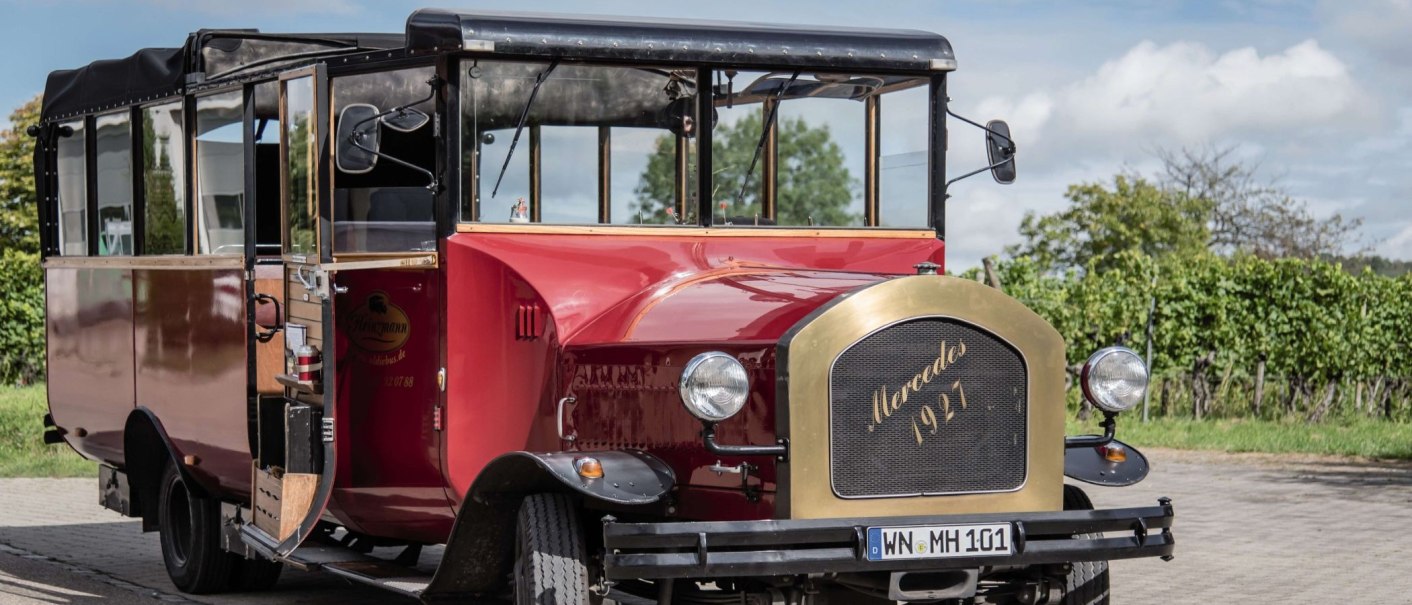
{"points": [[588, 468], [1113, 452]]}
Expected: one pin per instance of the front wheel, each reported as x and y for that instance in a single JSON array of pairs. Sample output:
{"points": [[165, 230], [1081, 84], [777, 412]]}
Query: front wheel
{"points": [[190, 527], [550, 558], [1087, 582]]}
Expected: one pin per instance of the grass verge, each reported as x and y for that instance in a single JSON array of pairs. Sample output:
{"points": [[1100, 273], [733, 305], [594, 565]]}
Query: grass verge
{"points": [[1336, 437], [23, 452]]}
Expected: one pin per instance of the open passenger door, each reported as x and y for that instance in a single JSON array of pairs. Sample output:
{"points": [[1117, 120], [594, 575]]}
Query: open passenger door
{"points": [[298, 456], [294, 468]]}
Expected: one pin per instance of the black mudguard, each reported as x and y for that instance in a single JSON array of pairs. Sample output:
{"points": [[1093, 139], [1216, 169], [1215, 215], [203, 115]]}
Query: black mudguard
{"points": [[629, 477], [477, 556], [1088, 465]]}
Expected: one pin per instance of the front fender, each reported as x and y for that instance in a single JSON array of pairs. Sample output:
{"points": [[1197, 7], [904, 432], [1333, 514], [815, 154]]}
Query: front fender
{"points": [[477, 555], [1088, 465], [629, 477]]}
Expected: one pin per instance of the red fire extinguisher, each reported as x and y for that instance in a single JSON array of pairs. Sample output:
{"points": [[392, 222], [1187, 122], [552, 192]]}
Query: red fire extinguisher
{"points": [[309, 365]]}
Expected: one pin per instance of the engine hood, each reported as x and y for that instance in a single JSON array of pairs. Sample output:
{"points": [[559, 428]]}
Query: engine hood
{"points": [[736, 303], [605, 290]]}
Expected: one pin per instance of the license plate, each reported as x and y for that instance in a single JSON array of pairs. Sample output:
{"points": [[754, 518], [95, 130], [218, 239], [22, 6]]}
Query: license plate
{"points": [[939, 541]]}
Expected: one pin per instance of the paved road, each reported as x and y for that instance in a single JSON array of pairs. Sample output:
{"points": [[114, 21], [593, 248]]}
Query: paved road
{"points": [[1256, 529]]}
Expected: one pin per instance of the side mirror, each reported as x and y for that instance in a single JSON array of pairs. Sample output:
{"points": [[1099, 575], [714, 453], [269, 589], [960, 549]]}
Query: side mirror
{"points": [[359, 138], [406, 120], [1000, 149]]}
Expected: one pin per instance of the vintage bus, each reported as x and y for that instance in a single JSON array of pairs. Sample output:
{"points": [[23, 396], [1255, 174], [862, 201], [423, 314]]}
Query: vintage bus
{"points": [[588, 308]]}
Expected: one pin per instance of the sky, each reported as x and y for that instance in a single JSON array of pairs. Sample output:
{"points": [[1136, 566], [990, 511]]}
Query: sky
{"points": [[1314, 92]]}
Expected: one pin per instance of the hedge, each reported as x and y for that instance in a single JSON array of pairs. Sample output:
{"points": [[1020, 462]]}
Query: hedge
{"points": [[21, 318], [1309, 337]]}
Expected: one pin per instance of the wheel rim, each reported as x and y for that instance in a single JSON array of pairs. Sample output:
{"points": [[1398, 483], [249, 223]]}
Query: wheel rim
{"points": [[179, 511]]}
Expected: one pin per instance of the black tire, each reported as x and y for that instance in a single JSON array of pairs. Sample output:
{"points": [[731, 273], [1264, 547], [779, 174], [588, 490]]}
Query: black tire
{"points": [[254, 575], [190, 527], [1087, 583], [550, 560]]}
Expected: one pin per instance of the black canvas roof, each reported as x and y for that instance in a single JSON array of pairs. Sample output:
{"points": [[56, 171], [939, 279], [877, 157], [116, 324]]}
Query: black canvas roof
{"points": [[678, 41], [154, 73]]}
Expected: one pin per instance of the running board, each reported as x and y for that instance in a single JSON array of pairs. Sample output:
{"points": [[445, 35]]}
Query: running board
{"points": [[339, 561], [358, 567], [382, 574]]}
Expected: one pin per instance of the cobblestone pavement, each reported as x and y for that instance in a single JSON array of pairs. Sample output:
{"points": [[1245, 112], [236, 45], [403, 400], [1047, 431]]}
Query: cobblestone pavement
{"points": [[1250, 528]]}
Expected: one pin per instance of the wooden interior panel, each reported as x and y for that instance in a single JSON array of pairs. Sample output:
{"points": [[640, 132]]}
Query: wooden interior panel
{"points": [[305, 308], [282, 500], [269, 356]]}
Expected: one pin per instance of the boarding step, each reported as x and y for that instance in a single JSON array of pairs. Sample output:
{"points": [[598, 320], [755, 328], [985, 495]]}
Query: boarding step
{"points": [[359, 567], [382, 574]]}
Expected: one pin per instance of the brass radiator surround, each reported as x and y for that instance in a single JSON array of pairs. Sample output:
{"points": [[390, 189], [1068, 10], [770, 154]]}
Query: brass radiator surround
{"points": [[808, 350]]}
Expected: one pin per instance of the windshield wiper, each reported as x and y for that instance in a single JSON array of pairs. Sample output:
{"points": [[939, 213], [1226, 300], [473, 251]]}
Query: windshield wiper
{"points": [[524, 115], [764, 136]]}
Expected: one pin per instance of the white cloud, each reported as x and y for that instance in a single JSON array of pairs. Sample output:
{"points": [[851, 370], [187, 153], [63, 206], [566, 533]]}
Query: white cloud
{"points": [[1186, 94], [1397, 246], [1382, 25], [1298, 113]]}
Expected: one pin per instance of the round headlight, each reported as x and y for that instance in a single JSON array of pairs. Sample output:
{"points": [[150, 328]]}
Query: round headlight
{"points": [[714, 386], [1114, 379]]}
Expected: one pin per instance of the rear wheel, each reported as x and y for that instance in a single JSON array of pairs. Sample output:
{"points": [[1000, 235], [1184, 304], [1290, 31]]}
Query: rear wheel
{"points": [[190, 527], [550, 558], [1087, 583]]}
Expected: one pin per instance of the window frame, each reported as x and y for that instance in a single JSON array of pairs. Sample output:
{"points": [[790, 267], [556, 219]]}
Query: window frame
{"points": [[342, 76], [467, 193], [55, 200], [318, 129], [934, 83], [196, 213], [139, 123], [133, 115]]}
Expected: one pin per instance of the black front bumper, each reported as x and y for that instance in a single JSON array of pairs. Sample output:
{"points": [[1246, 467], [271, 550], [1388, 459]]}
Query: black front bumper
{"points": [[729, 549]]}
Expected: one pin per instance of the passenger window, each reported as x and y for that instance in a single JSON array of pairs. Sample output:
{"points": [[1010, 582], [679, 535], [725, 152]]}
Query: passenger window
{"points": [[903, 165], [820, 176], [589, 150], [733, 142], [387, 206], [73, 191], [163, 180], [818, 157], [637, 177], [301, 158], [220, 173], [115, 185], [569, 189]]}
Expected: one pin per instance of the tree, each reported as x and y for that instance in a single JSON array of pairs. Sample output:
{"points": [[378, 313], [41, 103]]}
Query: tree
{"points": [[1134, 215], [1379, 265], [21, 281], [1248, 215], [1202, 200], [19, 205], [814, 184]]}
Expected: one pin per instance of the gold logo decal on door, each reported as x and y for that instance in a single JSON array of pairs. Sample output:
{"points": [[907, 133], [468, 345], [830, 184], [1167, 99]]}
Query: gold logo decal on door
{"points": [[378, 325]]}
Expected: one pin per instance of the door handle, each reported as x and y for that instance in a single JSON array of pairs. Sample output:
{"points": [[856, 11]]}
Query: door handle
{"points": [[268, 334]]}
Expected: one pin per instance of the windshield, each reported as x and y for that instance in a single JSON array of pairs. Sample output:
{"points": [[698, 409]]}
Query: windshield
{"points": [[617, 145]]}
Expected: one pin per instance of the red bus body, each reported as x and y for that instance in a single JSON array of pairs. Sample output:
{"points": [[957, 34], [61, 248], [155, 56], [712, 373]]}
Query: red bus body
{"points": [[301, 389]]}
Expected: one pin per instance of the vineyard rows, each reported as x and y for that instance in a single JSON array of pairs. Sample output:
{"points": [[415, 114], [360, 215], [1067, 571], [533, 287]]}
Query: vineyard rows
{"points": [[1241, 337]]}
